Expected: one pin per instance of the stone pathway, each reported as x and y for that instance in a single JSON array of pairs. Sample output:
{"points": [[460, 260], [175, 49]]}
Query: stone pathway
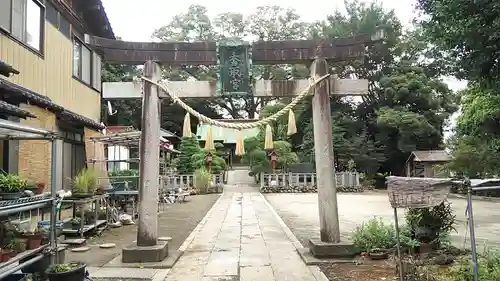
{"points": [[241, 239]]}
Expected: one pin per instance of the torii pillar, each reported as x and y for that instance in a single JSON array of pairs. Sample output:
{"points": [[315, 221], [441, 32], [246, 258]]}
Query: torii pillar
{"points": [[329, 244], [148, 248]]}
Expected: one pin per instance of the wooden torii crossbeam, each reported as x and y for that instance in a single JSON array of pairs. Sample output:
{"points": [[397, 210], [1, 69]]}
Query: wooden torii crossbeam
{"points": [[207, 89], [205, 53]]}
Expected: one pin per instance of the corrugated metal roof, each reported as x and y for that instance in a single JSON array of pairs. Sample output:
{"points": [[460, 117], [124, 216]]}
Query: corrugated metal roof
{"points": [[431, 156], [224, 134]]}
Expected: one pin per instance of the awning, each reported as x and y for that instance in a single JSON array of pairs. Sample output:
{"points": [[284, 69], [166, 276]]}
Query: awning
{"points": [[130, 139], [12, 130], [12, 110]]}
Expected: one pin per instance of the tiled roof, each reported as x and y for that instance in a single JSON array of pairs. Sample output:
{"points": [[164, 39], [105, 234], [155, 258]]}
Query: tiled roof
{"points": [[45, 102], [7, 69], [13, 110]]}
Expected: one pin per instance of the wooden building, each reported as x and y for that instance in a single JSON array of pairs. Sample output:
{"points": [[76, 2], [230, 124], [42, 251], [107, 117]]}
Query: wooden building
{"points": [[51, 80], [428, 164]]}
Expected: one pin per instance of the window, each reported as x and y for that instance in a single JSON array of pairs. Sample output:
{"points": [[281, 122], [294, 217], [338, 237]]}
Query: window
{"points": [[24, 20], [96, 72], [56, 19], [77, 58], [5, 15], [86, 65], [51, 14]]}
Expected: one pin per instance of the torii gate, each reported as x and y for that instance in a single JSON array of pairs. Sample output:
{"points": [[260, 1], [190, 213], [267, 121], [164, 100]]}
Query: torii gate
{"points": [[148, 249]]}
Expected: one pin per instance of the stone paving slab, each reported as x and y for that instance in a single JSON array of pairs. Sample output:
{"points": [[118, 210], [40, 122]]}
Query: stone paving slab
{"points": [[241, 239], [127, 274]]}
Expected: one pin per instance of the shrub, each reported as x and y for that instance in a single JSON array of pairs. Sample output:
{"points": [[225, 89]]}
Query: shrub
{"points": [[374, 234], [439, 220], [488, 268], [202, 179]]}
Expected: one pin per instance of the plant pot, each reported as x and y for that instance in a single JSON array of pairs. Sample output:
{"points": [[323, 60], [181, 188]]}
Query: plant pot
{"points": [[77, 274], [379, 254], [5, 255], [44, 263], [11, 195], [81, 195], [40, 188], [75, 226], [34, 241]]}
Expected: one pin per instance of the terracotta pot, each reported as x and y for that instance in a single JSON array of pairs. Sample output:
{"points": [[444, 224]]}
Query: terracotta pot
{"points": [[5, 255], [40, 188], [34, 241]]}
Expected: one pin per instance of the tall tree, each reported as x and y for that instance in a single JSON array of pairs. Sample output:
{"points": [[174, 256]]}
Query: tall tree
{"points": [[466, 35], [267, 23]]}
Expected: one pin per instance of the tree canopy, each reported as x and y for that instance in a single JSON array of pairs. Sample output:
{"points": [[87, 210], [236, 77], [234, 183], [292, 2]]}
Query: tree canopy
{"points": [[408, 104], [464, 36]]}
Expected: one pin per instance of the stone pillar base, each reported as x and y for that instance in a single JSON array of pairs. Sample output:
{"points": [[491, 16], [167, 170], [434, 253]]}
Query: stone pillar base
{"points": [[139, 254], [341, 249]]}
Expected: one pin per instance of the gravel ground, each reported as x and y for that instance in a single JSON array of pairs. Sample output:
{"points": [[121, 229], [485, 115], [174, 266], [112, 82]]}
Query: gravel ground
{"points": [[177, 221]]}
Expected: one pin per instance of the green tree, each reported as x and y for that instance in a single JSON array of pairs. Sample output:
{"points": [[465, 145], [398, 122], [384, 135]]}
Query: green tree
{"points": [[466, 35], [189, 147]]}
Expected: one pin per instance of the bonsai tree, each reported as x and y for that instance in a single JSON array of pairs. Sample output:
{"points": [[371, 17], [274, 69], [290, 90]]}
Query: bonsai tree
{"points": [[188, 148]]}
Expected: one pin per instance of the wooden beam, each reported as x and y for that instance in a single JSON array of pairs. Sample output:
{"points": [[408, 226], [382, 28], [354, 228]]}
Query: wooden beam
{"points": [[207, 89], [204, 53]]}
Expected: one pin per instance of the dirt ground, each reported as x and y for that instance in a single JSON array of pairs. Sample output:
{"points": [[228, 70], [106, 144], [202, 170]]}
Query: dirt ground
{"points": [[367, 270], [177, 221]]}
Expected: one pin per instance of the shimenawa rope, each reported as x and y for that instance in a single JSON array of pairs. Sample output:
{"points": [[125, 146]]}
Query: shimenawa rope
{"points": [[238, 126]]}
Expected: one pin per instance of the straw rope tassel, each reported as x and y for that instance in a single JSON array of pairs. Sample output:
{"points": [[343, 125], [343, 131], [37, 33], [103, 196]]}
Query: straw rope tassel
{"points": [[209, 141], [240, 144], [292, 127], [186, 127], [268, 140]]}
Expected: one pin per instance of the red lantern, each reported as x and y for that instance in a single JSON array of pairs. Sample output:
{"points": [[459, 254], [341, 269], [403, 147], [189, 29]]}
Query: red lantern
{"points": [[274, 158]]}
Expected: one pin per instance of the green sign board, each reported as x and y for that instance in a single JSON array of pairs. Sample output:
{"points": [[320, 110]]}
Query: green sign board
{"points": [[234, 68]]}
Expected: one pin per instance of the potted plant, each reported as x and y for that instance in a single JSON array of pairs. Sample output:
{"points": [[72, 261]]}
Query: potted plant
{"points": [[43, 264], [74, 271], [34, 239], [36, 188], [76, 223], [378, 254], [6, 254], [84, 183], [13, 247], [11, 186]]}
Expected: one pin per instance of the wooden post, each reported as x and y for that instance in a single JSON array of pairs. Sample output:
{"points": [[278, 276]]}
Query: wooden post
{"points": [[323, 149], [147, 230]]}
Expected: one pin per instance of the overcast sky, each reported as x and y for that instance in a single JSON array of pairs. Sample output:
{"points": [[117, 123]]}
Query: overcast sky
{"points": [[151, 14], [136, 20]]}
